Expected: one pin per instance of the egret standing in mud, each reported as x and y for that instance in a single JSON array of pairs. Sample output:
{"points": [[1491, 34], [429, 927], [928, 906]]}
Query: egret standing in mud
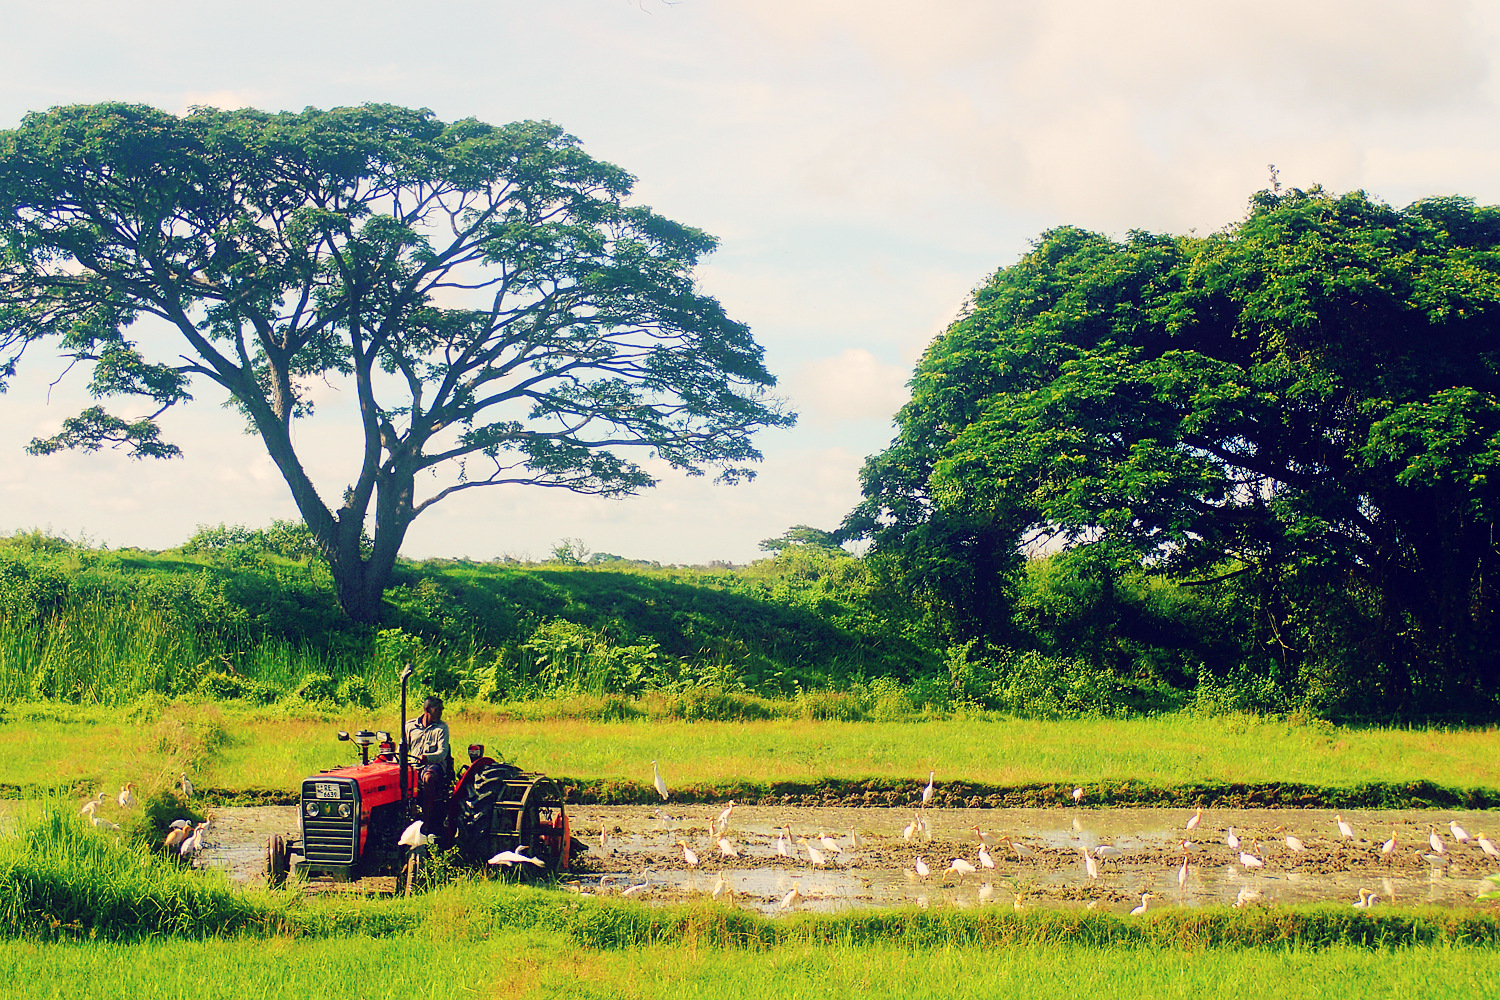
{"points": [[1345, 830], [1459, 833], [929, 791], [1142, 908], [1192, 824], [661, 786]]}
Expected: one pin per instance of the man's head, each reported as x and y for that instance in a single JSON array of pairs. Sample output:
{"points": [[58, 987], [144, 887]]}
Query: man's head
{"points": [[432, 708]]}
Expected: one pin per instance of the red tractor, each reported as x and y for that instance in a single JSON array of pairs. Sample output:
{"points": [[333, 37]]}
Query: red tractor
{"points": [[352, 817]]}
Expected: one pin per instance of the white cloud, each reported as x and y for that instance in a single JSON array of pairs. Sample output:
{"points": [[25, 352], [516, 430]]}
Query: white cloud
{"points": [[854, 385]]}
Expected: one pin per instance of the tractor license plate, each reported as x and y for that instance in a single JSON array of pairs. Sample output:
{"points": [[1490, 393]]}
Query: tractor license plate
{"points": [[327, 790]]}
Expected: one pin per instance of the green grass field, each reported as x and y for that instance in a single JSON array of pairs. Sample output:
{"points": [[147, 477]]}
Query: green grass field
{"points": [[537, 964], [235, 749]]}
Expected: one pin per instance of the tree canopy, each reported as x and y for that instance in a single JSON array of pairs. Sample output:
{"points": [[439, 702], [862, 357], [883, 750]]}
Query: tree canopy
{"points": [[502, 313], [1307, 402]]}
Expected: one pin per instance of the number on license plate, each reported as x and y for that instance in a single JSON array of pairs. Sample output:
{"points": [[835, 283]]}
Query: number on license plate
{"points": [[327, 790]]}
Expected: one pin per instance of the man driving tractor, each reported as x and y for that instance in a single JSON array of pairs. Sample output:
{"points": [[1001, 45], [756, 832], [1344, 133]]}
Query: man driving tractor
{"points": [[427, 738]]}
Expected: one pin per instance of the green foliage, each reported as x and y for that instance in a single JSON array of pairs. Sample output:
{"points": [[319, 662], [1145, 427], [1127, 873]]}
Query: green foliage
{"points": [[1302, 411]]}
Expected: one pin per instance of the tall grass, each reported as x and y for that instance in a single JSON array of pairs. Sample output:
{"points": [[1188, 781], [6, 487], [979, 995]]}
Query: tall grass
{"points": [[104, 652], [60, 877]]}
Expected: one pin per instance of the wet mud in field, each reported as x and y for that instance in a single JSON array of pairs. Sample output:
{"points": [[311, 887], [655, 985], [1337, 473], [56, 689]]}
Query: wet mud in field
{"points": [[642, 857]]}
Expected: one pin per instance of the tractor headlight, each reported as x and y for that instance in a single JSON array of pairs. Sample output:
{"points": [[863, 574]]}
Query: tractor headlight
{"points": [[311, 808], [346, 809]]}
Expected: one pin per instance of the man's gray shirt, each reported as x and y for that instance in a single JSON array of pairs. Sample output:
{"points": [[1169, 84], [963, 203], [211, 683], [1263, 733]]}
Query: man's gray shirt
{"points": [[429, 744]]}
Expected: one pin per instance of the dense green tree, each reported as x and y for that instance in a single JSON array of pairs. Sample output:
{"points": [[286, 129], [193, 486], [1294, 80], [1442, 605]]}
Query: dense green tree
{"points": [[1308, 402], [504, 316]]}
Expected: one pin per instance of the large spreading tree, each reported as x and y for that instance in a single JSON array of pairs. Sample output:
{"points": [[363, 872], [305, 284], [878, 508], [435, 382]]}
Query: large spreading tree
{"points": [[503, 314], [1307, 403]]}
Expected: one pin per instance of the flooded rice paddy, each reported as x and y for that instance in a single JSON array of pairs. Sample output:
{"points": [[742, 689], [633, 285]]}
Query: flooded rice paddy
{"points": [[642, 857]]}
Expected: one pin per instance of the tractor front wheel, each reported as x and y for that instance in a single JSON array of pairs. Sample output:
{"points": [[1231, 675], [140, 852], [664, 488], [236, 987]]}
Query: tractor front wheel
{"points": [[278, 861], [411, 872]]}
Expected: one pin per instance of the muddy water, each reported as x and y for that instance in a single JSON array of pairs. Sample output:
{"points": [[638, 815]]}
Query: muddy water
{"points": [[641, 854]]}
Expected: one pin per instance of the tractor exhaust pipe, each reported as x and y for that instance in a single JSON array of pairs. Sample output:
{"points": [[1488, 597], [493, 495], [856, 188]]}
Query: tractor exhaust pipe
{"points": [[405, 747]]}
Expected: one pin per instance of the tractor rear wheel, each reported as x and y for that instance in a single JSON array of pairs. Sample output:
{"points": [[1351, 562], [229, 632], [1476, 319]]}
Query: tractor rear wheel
{"points": [[477, 813]]}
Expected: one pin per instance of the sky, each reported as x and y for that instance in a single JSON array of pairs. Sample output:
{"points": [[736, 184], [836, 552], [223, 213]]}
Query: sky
{"points": [[865, 165]]}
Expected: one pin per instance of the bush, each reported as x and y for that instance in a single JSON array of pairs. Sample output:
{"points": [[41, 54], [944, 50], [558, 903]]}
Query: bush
{"points": [[352, 691], [317, 687]]}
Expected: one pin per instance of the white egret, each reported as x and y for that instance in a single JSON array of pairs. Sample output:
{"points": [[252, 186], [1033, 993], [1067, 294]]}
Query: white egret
{"points": [[1182, 874], [193, 843], [1252, 860], [829, 844], [1142, 908], [178, 824], [1192, 824], [984, 857], [92, 804], [175, 837], [688, 854], [1436, 860], [1459, 833], [1246, 896], [928, 792], [1107, 851], [1390, 845], [1078, 795], [634, 889], [1487, 845], [1345, 830], [1187, 846], [413, 836], [103, 824], [1436, 841], [661, 786], [791, 899], [1022, 853], [126, 798], [910, 830], [855, 840], [1232, 840], [727, 849], [961, 866], [923, 827], [986, 838], [508, 858], [724, 816], [813, 854], [720, 887], [1295, 844], [1089, 864], [784, 843], [921, 867], [604, 842], [187, 786], [1366, 900]]}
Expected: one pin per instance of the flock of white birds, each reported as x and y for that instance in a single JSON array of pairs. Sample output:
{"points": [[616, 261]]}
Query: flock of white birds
{"points": [[183, 835], [1249, 855]]}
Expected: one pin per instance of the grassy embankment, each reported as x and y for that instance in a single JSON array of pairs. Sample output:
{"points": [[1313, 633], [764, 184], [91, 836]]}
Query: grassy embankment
{"points": [[229, 750], [82, 911]]}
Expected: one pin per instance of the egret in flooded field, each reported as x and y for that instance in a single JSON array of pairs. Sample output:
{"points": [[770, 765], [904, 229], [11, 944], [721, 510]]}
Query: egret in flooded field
{"points": [[103, 824], [1192, 824], [507, 858], [920, 866], [1089, 864], [813, 854], [1366, 900], [1252, 860], [929, 791], [1435, 841], [176, 836], [92, 804], [1345, 830], [689, 856], [721, 887], [1182, 872], [1232, 840], [961, 866], [784, 842], [1105, 851], [1295, 844], [723, 823], [828, 843], [984, 857], [855, 840], [1022, 853], [1077, 795], [1389, 846], [126, 798], [986, 838], [1246, 896], [1142, 908], [661, 786], [1459, 833], [911, 828], [1487, 845], [726, 848], [791, 899]]}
